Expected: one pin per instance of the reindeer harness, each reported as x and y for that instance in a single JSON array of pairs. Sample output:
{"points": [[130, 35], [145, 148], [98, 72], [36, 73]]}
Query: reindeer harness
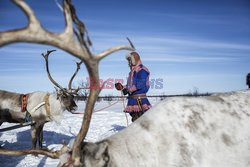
{"points": [[24, 102], [47, 105]]}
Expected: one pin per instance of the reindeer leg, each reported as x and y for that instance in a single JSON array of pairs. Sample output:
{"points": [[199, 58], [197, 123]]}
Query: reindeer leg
{"points": [[34, 136], [40, 133]]}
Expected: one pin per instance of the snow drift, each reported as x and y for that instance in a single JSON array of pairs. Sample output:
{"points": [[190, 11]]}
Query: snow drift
{"points": [[181, 131]]}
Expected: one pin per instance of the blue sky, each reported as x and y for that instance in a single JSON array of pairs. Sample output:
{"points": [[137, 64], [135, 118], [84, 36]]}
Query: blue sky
{"points": [[189, 44]]}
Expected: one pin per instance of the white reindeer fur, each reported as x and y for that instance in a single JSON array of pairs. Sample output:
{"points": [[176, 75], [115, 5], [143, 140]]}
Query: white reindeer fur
{"points": [[181, 132], [55, 106]]}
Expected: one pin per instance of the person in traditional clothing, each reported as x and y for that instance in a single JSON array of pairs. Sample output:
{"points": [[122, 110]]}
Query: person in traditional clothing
{"points": [[136, 88]]}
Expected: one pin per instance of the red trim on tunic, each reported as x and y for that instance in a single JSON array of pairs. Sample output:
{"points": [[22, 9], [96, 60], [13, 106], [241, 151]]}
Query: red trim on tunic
{"points": [[136, 108]]}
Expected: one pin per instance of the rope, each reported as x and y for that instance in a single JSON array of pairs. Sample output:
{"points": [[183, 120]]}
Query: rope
{"points": [[123, 97], [70, 132], [124, 108], [98, 109], [107, 106], [37, 107]]}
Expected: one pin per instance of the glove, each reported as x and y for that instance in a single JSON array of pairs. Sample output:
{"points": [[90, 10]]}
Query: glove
{"points": [[125, 91], [118, 86]]}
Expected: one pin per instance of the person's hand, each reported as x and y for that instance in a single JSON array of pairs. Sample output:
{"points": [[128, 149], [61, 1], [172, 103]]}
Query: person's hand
{"points": [[125, 91], [118, 86]]}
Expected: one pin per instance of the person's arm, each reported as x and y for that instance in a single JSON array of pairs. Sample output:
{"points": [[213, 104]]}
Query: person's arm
{"points": [[141, 81]]}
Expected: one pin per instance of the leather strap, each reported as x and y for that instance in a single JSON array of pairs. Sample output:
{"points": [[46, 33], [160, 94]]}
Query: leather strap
{"points": [[138, 96], [24, 102], [47, 105]]}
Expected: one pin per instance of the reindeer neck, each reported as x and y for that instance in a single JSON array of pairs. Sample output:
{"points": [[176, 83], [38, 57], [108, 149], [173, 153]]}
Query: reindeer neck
{"points": [[56, 103], [55, 107]]}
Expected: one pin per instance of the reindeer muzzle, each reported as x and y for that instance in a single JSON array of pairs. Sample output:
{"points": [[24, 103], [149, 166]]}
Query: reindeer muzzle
{"points": [[74, 107]]}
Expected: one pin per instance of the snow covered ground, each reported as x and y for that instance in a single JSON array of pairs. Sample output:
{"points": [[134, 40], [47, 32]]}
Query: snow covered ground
{"points": [[103, 124]]}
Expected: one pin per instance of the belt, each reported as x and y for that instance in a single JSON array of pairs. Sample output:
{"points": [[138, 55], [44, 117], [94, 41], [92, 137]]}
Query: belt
{"points": [[138, 96]]}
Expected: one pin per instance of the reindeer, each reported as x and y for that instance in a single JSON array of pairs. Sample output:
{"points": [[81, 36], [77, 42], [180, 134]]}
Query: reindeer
{"points": [[179, 131], [42, 106]]}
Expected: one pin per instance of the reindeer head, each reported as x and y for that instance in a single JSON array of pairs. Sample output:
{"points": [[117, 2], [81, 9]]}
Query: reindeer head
{"points": [[67, 100], [64, 95]]}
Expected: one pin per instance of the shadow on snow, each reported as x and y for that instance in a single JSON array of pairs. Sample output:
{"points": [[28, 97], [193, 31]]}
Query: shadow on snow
{"points": [[24, 142], [117, 128]]}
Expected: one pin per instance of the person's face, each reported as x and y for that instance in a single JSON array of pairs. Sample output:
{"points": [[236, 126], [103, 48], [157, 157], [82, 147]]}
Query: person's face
{"points": [[129, 62]]}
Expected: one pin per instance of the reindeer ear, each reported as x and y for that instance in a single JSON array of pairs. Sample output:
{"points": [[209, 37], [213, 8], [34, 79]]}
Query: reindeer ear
{"points": [[56, 89], [97, 150], [58, 92], [102, 151]]}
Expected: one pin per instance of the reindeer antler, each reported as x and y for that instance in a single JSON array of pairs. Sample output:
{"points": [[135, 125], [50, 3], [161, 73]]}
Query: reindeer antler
{"points": [[78, 65], [46, 57]]}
